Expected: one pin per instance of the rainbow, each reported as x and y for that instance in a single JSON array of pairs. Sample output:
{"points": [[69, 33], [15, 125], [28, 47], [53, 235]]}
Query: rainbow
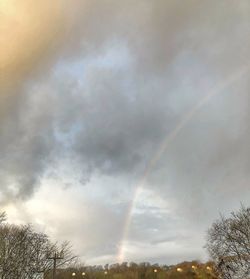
{"points": [[216, 90]]}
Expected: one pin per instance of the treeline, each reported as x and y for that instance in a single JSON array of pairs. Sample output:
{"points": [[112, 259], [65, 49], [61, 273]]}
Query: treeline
{"points": [[187, 270], [27, 254]]}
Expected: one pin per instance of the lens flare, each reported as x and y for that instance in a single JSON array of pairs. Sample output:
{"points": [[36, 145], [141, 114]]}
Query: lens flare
{"points": [[29, 30]]}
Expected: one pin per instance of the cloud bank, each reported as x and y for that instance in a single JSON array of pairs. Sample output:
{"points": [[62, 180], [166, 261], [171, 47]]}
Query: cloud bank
{"points": [[89, 93]]}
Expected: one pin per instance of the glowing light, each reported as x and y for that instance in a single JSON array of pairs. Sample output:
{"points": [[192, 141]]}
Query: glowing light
{"points": [[179, 269], [208, 268]]}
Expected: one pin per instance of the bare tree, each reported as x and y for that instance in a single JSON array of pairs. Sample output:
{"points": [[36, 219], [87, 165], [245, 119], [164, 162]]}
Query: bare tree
{"points": [[2, 217], [24, 252], [228, 244]]}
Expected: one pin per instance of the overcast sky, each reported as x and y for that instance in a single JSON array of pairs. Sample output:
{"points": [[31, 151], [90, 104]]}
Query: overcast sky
{"points": [[100, 98]]}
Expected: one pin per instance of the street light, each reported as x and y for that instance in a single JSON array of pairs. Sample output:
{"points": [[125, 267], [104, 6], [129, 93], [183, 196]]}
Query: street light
{"points": [[73, 274], [83, 274], [155, 273], [208, 268], [179, 269]]}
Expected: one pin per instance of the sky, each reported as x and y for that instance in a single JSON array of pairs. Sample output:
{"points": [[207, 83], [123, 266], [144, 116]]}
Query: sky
{"points": [[124, 125]]}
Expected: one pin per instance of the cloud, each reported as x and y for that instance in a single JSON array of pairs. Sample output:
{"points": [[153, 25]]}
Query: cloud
{"points": [[91, 91]]}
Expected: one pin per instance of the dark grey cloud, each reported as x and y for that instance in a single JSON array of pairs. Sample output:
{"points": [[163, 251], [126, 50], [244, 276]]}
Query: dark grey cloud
{"points": [[26, 144]]}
